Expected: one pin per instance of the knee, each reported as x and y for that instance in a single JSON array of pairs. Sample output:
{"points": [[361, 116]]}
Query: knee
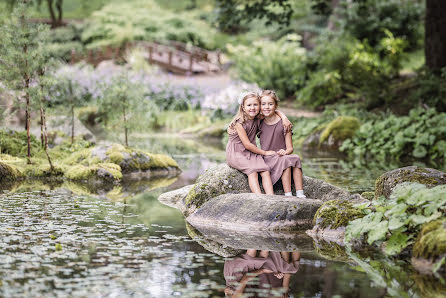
{"points": [[264, 174]]}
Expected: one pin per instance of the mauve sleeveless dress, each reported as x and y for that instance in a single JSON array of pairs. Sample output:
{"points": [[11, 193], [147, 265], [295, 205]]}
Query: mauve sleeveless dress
{"points": [[272, 138], [240, 158], [236, 268]]}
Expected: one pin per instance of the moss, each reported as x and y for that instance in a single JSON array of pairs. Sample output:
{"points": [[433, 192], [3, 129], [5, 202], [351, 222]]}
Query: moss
{"points": [[9, 172], [81, 172], [336, 213], [161, 161], [115, 155], [431, 241], [15, 143], [369, 195], [78, 157], [341, 128], [331, 251], [43, 169]]}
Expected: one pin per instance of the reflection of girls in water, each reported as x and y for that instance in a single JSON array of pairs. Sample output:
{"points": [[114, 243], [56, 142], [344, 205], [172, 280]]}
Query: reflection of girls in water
{"points": [[273, 270]]}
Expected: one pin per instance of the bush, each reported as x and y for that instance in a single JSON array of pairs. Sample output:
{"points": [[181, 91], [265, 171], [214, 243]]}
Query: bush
{"points": [[421, 135], [367, 19], [120, 22], [278, 65], [15, 143]]}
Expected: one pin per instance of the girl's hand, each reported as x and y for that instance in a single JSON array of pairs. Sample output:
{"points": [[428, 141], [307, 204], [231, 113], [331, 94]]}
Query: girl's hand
{"points": [[270, 152], [287, 125], [281, 152], [264, 270], [279, 275]]}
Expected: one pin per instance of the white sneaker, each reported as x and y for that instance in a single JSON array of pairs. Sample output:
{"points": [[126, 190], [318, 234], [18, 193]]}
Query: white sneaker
{"points": [[300, 194]]}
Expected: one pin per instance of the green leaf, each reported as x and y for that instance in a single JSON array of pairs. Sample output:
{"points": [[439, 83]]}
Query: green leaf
{"points": [[396, 222], [419, 151], [396, 243], [421, 219], [379, 232]]}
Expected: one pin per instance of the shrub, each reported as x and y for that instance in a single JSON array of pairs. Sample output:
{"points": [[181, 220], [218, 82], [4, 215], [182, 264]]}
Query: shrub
{"points": [[278, 65], [119, 22], [421, 135]]}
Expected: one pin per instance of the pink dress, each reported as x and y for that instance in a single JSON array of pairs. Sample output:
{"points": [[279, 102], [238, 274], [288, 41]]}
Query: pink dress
{"points": [[240, 158], [272, 137]]}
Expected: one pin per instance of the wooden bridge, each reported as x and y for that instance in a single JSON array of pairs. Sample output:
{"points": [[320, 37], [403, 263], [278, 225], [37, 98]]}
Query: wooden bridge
{"points": [[174, 56]]}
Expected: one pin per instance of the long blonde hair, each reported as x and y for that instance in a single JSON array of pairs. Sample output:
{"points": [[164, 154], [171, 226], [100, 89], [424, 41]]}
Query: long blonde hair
{"points": [[270, 93], [241, 115]]}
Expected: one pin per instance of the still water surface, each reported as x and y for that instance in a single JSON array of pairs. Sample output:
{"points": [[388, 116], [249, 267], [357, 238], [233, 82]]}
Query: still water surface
{"points": [[67, 239]]}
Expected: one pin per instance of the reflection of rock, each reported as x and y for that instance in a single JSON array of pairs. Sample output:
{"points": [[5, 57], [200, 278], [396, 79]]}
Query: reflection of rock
{"points": [[211, 245], [248, 211], [331, 219], [430, 246], [331, 251], [223, 179], [260, 240], [385, 184], [176, 197]]}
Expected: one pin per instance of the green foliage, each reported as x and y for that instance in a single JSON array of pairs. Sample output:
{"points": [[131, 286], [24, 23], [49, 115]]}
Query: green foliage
{"points": [[421, 134], [278, 65], [429, 89], [120, 22], [368, 20], [341, 128], [431, 242], [63, 41], [14, 143], [395, 222]]}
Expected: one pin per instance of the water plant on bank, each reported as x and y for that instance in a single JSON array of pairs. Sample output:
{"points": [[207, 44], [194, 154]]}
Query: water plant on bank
{"points": [[421, 134], [394, 223]]}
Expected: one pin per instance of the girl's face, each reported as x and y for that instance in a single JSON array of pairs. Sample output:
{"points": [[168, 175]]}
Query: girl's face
{"points": [[251, 107], [268, 106]]}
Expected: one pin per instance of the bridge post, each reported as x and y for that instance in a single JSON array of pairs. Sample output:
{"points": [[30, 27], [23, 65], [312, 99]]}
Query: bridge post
{"points": [[150, 53], [170, 58], [191, 61]]}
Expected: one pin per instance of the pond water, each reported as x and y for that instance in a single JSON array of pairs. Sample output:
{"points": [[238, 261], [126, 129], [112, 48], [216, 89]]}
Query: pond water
{"points": [[67, 239]]}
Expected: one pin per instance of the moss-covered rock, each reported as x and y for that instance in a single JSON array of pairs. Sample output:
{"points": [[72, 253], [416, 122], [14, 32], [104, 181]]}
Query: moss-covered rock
{"points": [[9, 172], [385, 184], [368, 195], [338, 130], [103, 171], [331, 251], [430, 245], [336, 213]]}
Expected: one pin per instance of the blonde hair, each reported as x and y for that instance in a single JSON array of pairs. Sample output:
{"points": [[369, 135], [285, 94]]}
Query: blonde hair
{"points": [[270, 93], [241, 115]]}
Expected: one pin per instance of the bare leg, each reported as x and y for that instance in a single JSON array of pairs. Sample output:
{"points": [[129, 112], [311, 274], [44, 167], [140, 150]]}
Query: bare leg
{"points": [[297, 177], [285, 256], [267, 183], [264, 253], [251, 252], [286, 180], [253, 181]]}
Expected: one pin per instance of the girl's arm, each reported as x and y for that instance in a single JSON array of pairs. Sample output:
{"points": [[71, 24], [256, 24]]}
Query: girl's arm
{"points": [[287, 125], [289, 145], [248, 145]]}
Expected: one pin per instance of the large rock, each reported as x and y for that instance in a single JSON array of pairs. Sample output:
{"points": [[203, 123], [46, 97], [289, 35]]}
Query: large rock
{"points": [[260, 240], [430, 247], [385, 184], [331, 218], [248, 211], [223, 179], [176, 197]]}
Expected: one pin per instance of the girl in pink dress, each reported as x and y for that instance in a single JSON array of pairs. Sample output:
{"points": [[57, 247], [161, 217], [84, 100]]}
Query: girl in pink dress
{"points": [[241, 150], [283, 164]]}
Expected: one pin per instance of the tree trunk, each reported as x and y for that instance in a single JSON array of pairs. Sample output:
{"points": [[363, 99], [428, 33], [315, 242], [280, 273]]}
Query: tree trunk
{"points": [[52, 14], [70, 87], [45, 134], [42, 141], [125, 127], [27, 80], [435, 35], [59, 4]]}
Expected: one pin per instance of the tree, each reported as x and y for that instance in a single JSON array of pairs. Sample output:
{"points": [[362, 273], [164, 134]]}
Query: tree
{"points": [[56, 20], [435, 35], [21, 58], [125, 106]]}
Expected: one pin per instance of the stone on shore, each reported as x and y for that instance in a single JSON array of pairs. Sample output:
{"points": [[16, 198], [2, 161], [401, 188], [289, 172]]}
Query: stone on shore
{"points": [[223, 179], [385, 184], [175, 198], [248, 211]]}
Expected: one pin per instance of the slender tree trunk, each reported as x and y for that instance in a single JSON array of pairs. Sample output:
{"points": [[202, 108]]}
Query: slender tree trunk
{"points": [[44, 134], [52, 14], [125, 126], [27, 80], [59, 4], [42, 141], [435, 35], [70, 86]]}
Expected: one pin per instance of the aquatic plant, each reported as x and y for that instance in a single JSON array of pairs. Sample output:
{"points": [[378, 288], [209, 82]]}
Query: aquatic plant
{"points": [[395, 222]]}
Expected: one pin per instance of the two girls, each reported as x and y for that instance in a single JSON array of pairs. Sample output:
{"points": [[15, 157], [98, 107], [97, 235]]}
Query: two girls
{"points": [[273, 156]]}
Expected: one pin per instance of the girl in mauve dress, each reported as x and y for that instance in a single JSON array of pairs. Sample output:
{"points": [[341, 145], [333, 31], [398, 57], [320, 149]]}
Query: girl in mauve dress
{"points": [[241, 150], [284, 164]]}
